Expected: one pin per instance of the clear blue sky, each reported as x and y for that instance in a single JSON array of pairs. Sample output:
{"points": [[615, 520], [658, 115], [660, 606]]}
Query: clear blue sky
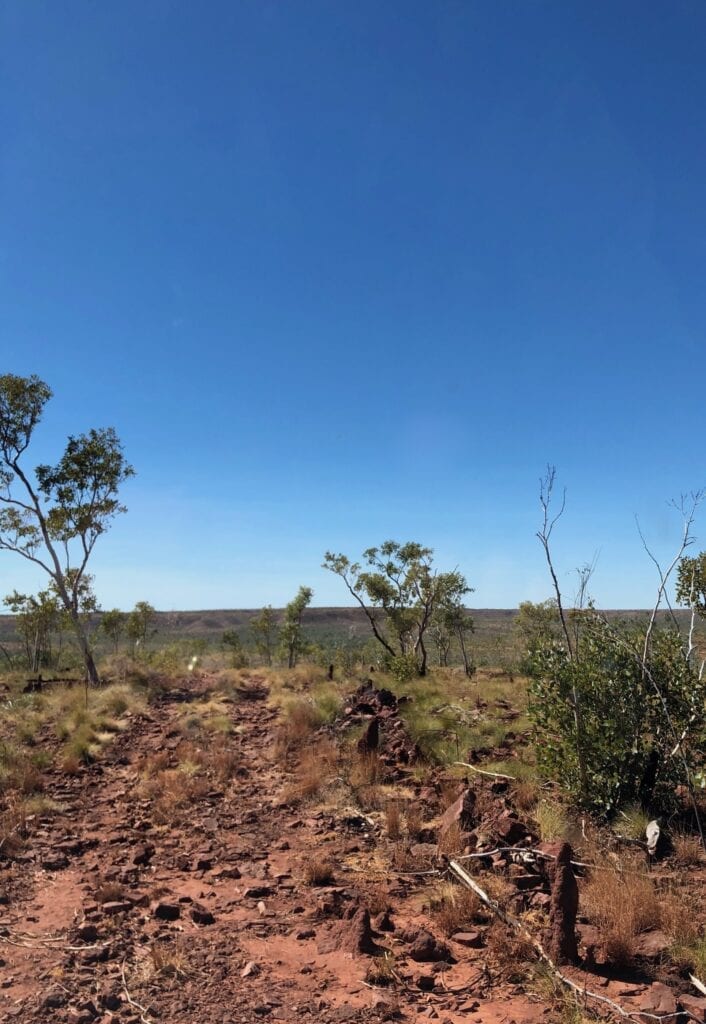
{"points": [[338, 272]]}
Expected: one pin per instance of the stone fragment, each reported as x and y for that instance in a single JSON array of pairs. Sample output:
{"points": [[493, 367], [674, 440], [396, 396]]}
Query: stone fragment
{"points": [[167, 911], [369, 741], [461, 814], [352, 935], [113, 907], [659, 999], [472, 939], [258, 892], [427, 949], [143, 854], [652, 945], [201, 914], [695, 1005]]}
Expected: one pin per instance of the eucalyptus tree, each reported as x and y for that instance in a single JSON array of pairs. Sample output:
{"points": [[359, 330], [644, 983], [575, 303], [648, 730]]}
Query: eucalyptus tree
{"points": [[54, 516], [141, 624], [263, 627], [292, 640], [399, 589], [37, 620], [113, 625]]}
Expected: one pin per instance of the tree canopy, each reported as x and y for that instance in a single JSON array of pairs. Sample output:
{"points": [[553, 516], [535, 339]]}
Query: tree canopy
{"points": [[399, 590], [55, 519]]}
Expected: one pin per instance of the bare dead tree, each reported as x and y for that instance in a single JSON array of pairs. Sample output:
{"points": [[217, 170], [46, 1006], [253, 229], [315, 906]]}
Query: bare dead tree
{"points": [[687, 507], [549, 521]]}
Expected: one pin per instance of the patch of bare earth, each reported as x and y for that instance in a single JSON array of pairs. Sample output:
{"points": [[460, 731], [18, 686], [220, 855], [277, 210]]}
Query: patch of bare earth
{"points": [[211, 884]]}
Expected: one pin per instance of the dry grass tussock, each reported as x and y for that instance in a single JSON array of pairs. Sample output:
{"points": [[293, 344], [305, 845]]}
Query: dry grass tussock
{"points": [[381, 971], [688, 850], [13, 824], [172, 792], [622, 904], [511, 954], [414, 820], [316, 767], [318, 870], [300, 719], [454, 908]]}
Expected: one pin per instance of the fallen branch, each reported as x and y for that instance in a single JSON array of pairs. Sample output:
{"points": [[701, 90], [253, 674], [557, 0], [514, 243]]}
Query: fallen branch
{"points": [[38, 942], [545, 856], [639, 1015], [479, 771], [135, 1005]]}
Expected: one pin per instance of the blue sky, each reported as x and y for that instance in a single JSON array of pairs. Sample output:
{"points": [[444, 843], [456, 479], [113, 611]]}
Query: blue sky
{"points": [[341, 272]]}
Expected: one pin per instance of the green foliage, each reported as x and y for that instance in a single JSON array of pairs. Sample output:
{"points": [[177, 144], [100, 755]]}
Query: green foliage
{"points": [[402, 667], [264, 630], [691, 582], [292, 641], [631, 713], [399, 590], [56, 521], [37, 620], [140, 624], [232, 642], [113, 625]]}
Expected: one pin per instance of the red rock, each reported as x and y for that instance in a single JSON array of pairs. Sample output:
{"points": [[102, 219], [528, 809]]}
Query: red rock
{"points": [[510, 829], [369, 741], [201, 915], [473, 940], [426, 949], [695, 1005], [143, 854], [652, 945], [383, 922], [659, 999], [116, 907], [352, 935], [461, 814], [258, 892], [167, 911]]}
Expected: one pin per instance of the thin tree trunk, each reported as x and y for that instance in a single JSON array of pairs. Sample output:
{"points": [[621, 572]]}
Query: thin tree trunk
{"points": [[464, 653], [423, 666], [87, 654]]}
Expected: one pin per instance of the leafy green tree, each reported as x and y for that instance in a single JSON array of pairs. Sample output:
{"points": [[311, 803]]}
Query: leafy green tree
{"points": [[141, 624], [55, 521], [232, 642], [452, 622], [37, 620], [691, 582], [399, 590], [264, 630], [292, 640], [113, 625]]}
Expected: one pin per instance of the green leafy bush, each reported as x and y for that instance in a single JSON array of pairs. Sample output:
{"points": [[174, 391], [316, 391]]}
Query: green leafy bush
{"points": [[606, 723]]}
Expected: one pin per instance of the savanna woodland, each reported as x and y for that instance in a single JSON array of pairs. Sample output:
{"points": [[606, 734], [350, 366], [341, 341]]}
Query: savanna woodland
{"points": [[395, 808]]}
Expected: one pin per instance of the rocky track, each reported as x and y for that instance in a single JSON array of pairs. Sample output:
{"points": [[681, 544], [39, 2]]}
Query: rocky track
{"points": [[109, 915]]}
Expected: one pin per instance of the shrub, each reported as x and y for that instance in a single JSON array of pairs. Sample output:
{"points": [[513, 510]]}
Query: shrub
{"points": [[605, 725]]}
